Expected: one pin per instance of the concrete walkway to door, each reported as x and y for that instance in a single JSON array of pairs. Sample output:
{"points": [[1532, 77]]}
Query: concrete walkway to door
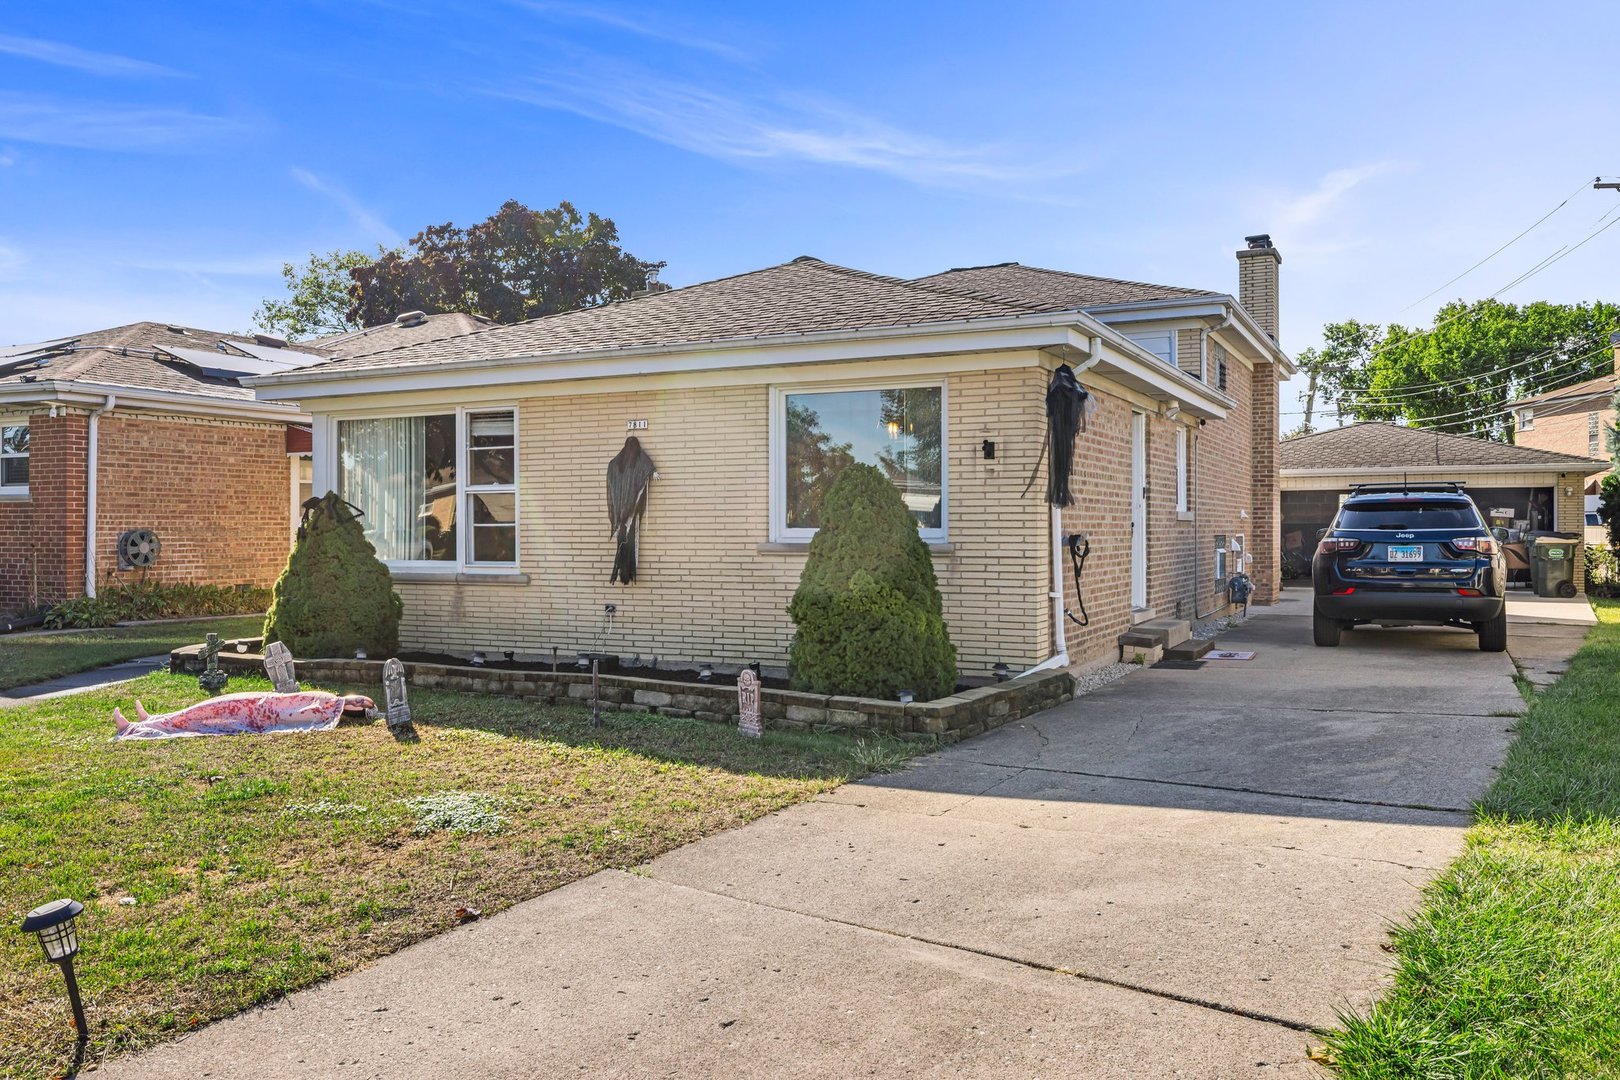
{"points": [[1180, 874]]}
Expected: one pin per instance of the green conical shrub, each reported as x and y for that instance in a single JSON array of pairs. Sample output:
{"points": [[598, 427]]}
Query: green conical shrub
{"points": [[867, 608], [335, 595]]}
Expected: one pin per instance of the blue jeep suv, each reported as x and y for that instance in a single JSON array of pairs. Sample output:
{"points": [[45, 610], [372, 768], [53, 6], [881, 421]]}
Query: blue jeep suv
{"points": [[1409, 555]]}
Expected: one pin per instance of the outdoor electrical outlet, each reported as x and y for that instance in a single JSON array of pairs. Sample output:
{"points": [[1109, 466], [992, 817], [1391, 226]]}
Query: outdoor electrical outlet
{"points": [[610, 608]]}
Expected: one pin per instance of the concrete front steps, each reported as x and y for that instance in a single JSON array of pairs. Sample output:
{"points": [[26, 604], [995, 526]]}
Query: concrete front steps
{"points": [[1161, 639]]}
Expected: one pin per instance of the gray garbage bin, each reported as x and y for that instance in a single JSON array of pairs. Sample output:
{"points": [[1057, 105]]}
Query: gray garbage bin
{"points": [[1552, 566]]}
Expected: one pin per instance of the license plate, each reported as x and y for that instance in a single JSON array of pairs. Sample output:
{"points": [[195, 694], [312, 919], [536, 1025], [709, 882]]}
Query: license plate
{"points": [[1406, 553]]}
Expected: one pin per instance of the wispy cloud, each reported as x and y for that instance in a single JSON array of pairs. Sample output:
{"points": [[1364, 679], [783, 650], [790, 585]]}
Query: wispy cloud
{"points": [[641, 24], [71, 56], [762, 127], [374, 227], [1313, 206], [104, 126]]}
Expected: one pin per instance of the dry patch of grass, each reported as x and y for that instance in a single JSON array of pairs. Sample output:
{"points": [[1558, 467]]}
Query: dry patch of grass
{"points": [[258, 865]]}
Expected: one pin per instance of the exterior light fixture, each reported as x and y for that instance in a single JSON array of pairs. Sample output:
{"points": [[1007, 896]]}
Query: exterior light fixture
{"points": [[59, 937], [359, 654], [1001, 671], [705, 673], [906, 697], [477, 658]]}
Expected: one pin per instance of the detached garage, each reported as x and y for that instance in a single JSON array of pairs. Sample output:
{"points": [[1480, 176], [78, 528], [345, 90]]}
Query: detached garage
{"points": [[1516, 488]]}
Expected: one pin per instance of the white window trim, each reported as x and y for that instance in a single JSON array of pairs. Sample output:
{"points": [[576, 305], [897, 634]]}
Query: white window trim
{"points": [[325, 477], [779, 532], [17, 490], [1527, 420], [1182, 480], [469, 489]]}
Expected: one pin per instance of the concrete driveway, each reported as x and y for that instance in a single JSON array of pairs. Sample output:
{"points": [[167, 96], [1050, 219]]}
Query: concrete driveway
{"points": [[1180, 875]]}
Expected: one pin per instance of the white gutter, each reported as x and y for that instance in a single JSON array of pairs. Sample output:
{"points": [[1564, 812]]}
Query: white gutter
{"points": [[1575, 465], [1200, 307], [1060, 647], [91, 463], [91, 394]]}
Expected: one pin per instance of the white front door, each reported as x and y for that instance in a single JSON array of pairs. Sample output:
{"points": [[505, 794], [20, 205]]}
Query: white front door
{"points": [[1139, 550]]}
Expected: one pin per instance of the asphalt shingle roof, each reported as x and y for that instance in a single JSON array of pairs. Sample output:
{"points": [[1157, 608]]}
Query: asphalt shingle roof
{"points": [[1055, 290], [1603, 384], [391, 335], [799, 297], [123, 356], [1379, 445]]}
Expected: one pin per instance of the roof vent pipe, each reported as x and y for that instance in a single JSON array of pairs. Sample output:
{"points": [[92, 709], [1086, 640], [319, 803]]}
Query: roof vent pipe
{"points": [[410, 318]]}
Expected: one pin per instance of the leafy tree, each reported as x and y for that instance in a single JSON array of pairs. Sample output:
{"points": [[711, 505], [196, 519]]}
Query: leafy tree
{"points": [[868, 611], [334, 596], [1460, 373], [517, 264], [1344, 346], [319, 299], [1609, 509]]}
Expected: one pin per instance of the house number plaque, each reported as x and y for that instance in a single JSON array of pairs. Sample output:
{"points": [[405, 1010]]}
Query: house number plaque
{"points": [[635, 425]]}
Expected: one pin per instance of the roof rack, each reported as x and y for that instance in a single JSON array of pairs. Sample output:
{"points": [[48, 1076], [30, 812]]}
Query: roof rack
{"points": [[1453, 486]]}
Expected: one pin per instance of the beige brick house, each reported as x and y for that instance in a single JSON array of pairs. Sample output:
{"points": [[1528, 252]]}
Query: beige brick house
{"points": [[1572, 420], [147, 426], [480, 460]]}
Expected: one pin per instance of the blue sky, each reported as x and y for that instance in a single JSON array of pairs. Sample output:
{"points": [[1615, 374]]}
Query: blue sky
{"points": [[161, 161]]}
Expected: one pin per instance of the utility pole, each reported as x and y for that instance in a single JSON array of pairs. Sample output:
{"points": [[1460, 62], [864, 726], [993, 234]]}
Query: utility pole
{"points": [[1601, 184]]}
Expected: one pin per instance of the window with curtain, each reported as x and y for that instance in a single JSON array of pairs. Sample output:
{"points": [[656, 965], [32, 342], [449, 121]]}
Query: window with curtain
{"points": [[401, 472], [901, 431], [491, 486], [14, 459]]}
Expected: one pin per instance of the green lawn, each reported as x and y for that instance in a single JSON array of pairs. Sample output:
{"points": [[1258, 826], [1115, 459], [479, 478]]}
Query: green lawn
{"points": [[1512, 968], [32, 658], [259, 864]]}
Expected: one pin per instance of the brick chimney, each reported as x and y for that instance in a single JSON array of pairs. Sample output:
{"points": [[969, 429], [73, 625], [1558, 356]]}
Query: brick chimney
{"points": [[1257, 281]]}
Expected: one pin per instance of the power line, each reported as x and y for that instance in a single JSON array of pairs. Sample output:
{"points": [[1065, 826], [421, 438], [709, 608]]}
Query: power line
{"points": [[1373, 399], [1499, 250]]}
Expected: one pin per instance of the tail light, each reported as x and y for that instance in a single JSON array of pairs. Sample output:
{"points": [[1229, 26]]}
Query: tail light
{"points": [[1479, 545], [1338, 543]]}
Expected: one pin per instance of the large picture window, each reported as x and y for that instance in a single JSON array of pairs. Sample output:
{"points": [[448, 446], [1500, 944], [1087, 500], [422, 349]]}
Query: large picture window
{"points": [[14, 459], [439, 488], [900, 430]]}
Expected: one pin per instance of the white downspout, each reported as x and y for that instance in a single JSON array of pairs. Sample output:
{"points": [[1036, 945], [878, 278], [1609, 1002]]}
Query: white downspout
{"points": [[91, 459], [1060, 647], [1203, 346]]}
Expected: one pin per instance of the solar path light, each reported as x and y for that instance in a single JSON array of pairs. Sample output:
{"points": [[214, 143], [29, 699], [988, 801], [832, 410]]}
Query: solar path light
{"points": [[59, 937]]}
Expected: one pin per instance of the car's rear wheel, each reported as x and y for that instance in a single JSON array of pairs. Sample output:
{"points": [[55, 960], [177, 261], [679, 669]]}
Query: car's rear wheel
{"points": [[1325, 631], [1493, 633]]}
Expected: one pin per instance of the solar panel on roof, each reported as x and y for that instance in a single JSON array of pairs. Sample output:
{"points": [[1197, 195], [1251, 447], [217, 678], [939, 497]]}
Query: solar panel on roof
{"points": [[286, 359], [224, 365]]}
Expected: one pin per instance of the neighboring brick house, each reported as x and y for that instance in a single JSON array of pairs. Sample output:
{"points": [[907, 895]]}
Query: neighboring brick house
{"points": [[178, 445], [1572, 420], [1518, 488], [480, 460]]}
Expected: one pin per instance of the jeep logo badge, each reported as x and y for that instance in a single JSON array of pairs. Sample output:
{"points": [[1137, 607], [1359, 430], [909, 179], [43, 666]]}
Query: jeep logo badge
{"points": [[1406, 536]]}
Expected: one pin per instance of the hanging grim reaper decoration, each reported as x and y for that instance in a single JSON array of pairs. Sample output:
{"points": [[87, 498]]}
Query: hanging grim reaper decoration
{"points": [[1068, 405], [628, 475]]}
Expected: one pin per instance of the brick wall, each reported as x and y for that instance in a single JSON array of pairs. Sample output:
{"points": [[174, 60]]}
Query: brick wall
{"points": [[705, 590], [1265, 537], [216, 493], [1568, 431], [42, 534]]}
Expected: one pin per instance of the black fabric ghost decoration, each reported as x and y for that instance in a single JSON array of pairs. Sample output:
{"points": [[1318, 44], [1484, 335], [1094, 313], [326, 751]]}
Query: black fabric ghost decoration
{"points": [[628, 475], [1067, 405]]}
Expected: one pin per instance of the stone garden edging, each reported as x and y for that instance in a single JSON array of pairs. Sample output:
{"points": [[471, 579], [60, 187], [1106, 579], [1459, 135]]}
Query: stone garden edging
{"points": [[959, 716]]}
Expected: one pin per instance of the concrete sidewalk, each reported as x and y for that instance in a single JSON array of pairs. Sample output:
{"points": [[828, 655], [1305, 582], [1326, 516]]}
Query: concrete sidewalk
{"points": [[80, 681], [1180, 874]]}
